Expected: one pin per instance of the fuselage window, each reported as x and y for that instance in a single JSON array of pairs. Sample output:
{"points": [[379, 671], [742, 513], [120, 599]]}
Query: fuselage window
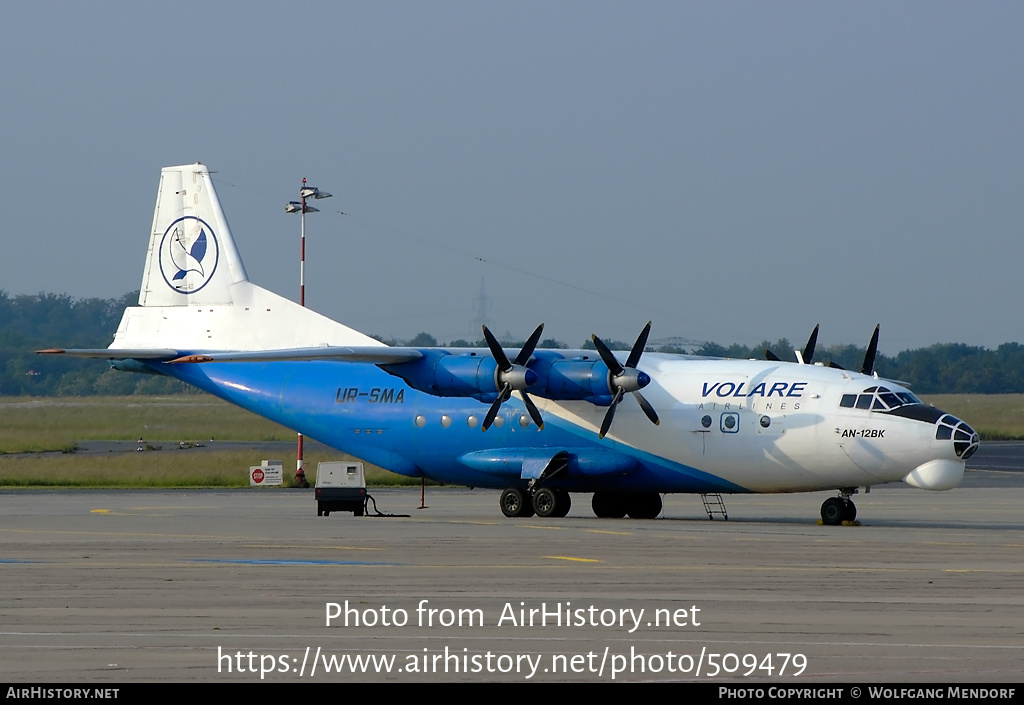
{"points": [[730, 422]]}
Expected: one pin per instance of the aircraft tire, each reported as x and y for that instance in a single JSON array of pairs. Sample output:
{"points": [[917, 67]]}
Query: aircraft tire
{"points": [[608, 505], [851, 511], [644, 505], [516, 503], [833, 511], [546, 502]]}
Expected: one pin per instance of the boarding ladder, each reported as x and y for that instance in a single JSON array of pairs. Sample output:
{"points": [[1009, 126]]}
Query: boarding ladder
{"points": [[713, 505]]}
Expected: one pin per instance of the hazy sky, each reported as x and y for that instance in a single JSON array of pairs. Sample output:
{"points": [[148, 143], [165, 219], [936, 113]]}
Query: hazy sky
{"points": [[733, 171]]}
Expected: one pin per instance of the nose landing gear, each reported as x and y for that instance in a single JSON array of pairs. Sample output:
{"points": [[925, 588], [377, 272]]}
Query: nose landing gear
{"points": [[839, 510]]}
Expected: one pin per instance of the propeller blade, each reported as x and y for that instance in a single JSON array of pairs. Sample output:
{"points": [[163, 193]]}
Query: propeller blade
{"points": [[524, 355], [648, 409], [606, 356], [607, 423], [506, 392], [532, 408], [496, 352], [869, 355], [638, 346], [811, 343]]}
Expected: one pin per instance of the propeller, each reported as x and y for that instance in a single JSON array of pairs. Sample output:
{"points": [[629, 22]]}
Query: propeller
{"points": [[625, 379], [513, 376], [812, 341], [869, 355], [807, 355]]}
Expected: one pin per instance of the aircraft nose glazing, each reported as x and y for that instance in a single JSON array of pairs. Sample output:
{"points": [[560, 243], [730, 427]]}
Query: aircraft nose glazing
{"points": [[965, 440]]}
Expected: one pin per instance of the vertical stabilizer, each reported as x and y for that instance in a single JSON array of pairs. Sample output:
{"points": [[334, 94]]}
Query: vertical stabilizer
{"points": [[195, 294], [192, 260]]}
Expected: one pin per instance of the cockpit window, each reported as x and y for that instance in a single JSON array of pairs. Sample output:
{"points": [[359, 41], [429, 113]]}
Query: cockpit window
{"points": [[965, 440], [878, 399], [891, 400]]}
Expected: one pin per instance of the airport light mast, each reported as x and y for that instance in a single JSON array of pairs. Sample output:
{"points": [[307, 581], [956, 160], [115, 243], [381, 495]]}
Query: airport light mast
{"points": [[300, 207]]}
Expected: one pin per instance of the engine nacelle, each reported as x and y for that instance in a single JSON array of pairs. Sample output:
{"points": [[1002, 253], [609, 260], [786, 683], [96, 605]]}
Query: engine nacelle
{"points": [[446, 375], [548, 375], [573, 379]]}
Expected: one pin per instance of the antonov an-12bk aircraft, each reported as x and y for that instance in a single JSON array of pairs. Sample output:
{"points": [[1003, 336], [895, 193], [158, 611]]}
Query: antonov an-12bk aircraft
{"points": [[539, 424]]}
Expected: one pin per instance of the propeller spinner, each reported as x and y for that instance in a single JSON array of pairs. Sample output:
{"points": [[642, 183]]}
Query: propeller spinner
{"points": [[625, 379]]}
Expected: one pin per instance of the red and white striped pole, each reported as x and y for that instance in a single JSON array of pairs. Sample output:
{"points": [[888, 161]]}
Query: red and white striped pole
{"points": [[300, 472], [305, 191]]}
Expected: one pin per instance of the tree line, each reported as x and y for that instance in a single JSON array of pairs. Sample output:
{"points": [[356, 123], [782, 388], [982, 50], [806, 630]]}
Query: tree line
{"points": [[32, 322]]}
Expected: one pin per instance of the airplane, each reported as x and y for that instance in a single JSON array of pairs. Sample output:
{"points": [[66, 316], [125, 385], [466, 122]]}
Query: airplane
{"points": [[540, 425]]}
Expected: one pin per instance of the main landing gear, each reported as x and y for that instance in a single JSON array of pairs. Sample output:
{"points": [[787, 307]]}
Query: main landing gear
{"points": [[544, 502], [837, 510], [553, 502]]}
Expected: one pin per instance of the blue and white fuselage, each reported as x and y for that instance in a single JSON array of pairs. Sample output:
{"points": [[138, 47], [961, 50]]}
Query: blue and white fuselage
{"points": [[779, 433]]}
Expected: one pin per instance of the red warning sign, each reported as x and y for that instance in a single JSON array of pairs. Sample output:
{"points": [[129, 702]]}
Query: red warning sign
{"points": [[269, 473]]}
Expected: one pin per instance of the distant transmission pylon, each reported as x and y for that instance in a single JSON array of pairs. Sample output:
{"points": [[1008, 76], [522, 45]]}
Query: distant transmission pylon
{"points": [[480, 304]]}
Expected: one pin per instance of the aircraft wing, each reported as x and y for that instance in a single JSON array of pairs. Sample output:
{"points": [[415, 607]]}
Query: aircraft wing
{"points": [[380, 355], [374, 354], [113, 353]]}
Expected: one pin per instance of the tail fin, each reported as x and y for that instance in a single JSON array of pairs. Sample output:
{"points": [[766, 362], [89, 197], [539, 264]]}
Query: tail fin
{"points": [[192, 260], [195, 294]]}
